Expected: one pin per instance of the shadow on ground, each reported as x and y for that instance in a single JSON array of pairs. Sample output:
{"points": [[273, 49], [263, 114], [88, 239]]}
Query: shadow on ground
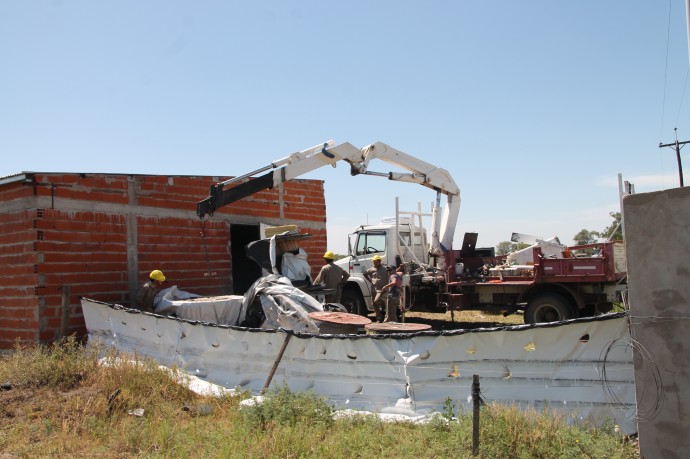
{"points": [[464, 320]]}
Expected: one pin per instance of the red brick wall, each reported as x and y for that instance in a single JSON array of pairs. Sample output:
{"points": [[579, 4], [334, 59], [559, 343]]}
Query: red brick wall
{"points": [[74, 231], [84, 250], [18, 279], [175, 246]]}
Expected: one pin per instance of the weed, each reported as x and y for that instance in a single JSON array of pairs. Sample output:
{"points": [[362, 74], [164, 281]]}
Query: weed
{"points": [[281, 406], [618, 306], [448, 409]]}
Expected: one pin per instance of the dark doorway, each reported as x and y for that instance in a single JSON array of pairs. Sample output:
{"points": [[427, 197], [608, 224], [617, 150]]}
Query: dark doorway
{"points": [[244, 271]]}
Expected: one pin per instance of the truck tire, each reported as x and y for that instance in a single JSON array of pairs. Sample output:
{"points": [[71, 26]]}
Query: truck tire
{"points": [[353, 302], [548, 307]]}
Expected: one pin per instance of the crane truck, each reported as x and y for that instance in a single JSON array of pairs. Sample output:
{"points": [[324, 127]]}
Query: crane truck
{"points": [[547, 286]]}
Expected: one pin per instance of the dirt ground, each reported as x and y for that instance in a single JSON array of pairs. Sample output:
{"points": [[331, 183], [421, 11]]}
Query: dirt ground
{"points": [[462, 320]]}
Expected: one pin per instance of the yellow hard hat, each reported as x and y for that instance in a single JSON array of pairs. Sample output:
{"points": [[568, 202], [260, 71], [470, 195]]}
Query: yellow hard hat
{"points": [[376, 258], [157, 275], [329, 255]]}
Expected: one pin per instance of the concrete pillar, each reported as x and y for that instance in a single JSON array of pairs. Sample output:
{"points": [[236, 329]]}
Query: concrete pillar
{"points": [[132, 241], [657, 242]]}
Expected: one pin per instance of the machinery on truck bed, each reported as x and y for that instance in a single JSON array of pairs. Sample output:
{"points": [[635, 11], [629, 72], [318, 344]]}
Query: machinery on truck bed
{"points": [[547, 285], [546, 288], [547, 281]]}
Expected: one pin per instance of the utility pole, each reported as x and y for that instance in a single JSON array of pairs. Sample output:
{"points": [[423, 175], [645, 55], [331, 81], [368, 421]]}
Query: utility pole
{"points": [[677, 145]]}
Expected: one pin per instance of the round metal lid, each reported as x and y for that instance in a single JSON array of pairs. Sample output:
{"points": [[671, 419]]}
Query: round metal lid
{"points": [[339, 318]]}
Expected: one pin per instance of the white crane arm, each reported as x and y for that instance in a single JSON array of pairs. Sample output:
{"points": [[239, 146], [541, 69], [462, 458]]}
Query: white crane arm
{"points": [[305, 161], [425, 174]]}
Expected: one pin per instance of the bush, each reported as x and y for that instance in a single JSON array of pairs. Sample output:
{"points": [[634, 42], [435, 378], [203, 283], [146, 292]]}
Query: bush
{"points": [[281, 406]]}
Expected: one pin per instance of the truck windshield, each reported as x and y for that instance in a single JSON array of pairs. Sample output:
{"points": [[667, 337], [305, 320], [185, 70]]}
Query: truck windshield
{"points": [[371, 242]]}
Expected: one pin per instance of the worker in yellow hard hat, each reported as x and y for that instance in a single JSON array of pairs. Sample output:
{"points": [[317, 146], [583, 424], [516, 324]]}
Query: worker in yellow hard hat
{"points": [[378, 276], [148, 290], [333, 277]]}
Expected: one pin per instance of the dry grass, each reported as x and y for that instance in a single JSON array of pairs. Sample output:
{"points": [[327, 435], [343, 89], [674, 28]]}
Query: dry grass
{"points": [[77, 408], [463, 319]]}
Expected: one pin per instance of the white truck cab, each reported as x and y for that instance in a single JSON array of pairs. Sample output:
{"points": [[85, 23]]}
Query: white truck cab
{"points": [[380, 239]]}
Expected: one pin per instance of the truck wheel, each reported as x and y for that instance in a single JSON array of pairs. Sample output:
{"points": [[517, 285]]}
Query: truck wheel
{"points": [[548, 307], [353, 302]]}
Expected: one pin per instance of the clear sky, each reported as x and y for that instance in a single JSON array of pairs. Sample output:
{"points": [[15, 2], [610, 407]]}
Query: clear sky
{"points": [[534, 107]]}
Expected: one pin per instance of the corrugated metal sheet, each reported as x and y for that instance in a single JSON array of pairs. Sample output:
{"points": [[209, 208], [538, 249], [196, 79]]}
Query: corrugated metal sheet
{"points": [[14, 178], [582, 369]]}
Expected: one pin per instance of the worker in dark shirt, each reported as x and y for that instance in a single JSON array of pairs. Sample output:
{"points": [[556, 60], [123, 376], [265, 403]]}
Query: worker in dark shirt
{"points": [[148, 290], [393, 294], [333, 276]]}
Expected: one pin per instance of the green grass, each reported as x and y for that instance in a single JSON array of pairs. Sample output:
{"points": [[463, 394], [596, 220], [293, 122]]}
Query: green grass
{"points": [[63, 403]]}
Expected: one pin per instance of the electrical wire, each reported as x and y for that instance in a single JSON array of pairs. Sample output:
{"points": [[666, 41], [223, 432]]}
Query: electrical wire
{"points": [[687, 72], [644, 320], [663, 102], [648, 366]]}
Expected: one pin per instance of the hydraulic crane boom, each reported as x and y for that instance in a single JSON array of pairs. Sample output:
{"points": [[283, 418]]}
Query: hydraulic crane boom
{"points": [[305, 161]]}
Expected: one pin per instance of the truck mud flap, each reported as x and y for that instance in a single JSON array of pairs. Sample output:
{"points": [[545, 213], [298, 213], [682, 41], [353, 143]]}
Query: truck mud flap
{"points": [[454, 301]]}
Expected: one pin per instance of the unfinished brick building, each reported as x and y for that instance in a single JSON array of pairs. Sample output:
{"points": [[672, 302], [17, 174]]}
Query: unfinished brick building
{"points": [[69, 235]]}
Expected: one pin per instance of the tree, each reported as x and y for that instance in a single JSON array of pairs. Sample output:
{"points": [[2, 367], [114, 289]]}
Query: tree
{"points": [[585, 237], [506, 247], [613, 232], [520, 246]]}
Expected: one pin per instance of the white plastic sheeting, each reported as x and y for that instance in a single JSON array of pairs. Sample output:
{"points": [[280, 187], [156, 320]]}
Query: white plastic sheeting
{"points": [[550, 248], [296, 266], [170, 297], [224, 309], [582, 368], [282, 306]]}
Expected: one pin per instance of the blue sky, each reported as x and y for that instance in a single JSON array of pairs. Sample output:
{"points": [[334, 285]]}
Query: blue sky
{"points": [[534, 107]]}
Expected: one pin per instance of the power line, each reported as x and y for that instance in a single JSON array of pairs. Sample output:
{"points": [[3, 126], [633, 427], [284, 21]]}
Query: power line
{"points": [[682, 97], [663, 102]]}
